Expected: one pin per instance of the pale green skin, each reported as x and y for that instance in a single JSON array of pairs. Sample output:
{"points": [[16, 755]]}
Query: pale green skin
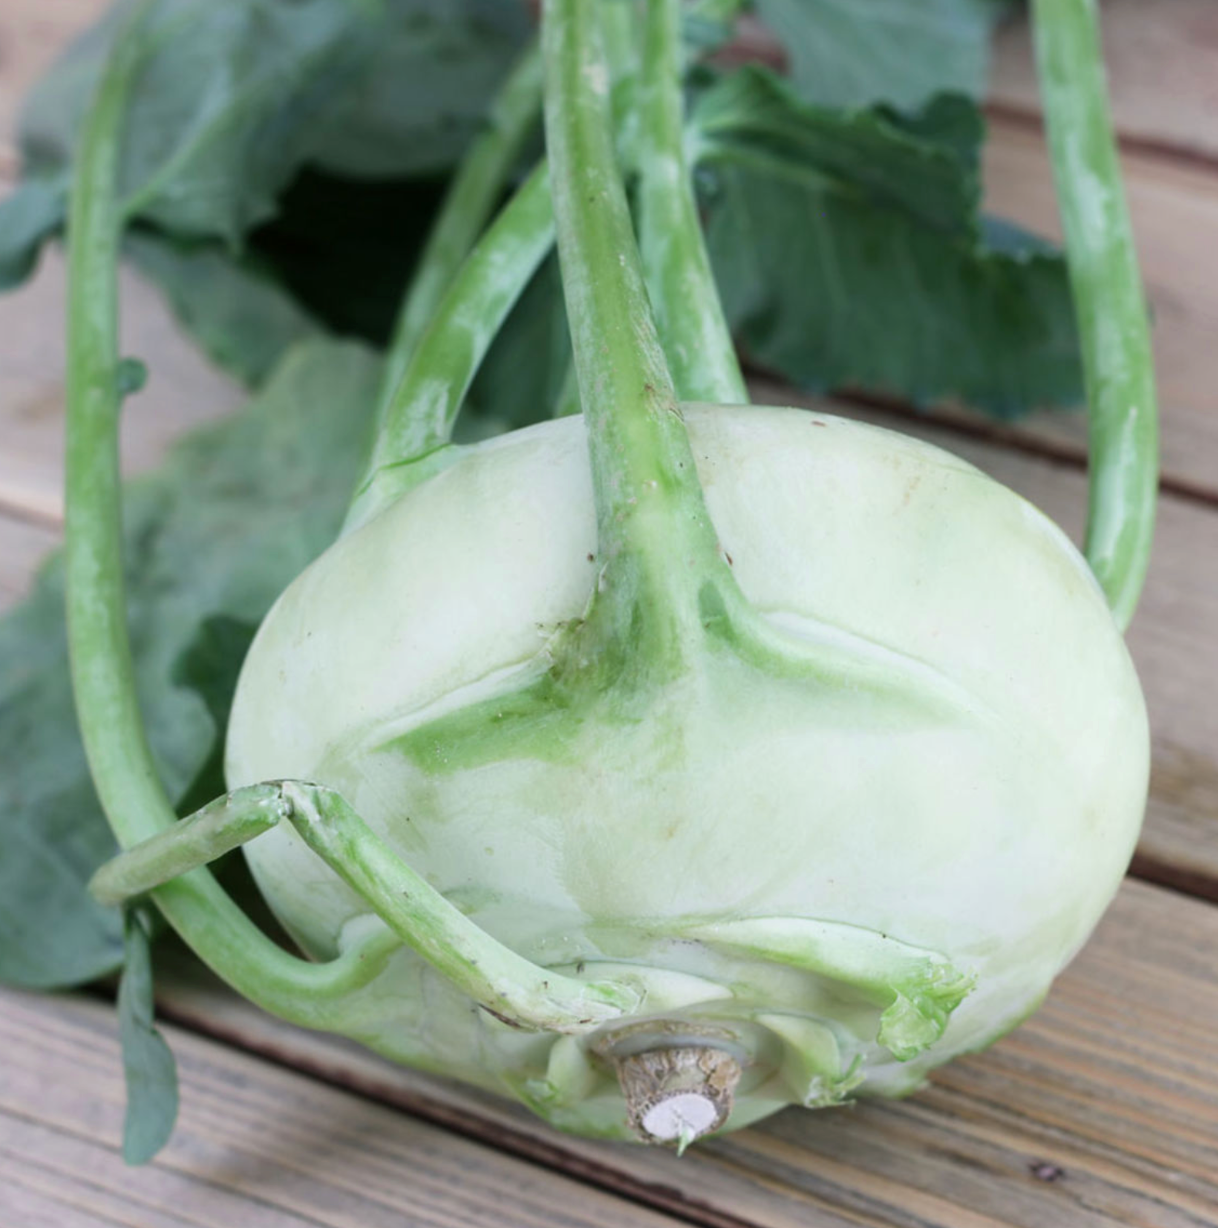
{"points": [[991, 832]]}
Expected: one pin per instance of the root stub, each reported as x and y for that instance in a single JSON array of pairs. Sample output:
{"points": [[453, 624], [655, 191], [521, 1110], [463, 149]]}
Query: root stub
{"points": [[676, 1095]]}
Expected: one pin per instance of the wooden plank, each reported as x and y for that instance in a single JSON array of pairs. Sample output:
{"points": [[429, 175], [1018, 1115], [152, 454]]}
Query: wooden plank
{"points": [[1101, 1110], [257, 1145], [1160, 56], [22, 546], [183, 388], [1175, 207], [32, 34], [1175, 214]]}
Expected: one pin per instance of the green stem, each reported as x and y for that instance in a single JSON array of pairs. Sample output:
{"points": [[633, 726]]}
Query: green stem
{"points": [[688, 310], [659, 549], [467, 204], [197, 840], [121, 762], [421, 414], [511, 987], [1108, 297]]}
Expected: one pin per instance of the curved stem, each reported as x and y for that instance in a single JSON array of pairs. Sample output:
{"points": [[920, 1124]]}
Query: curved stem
{"points": [[1108, 297], [466, 206], [517, 990], [103, 679], [421, 414], [659, 549], [510, 986], [197, 840], [682, 287]]}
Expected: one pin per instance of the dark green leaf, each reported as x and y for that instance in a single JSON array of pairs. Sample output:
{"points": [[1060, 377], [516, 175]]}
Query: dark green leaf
{"points": [[210, 666], [857, 53], [752, 117], [226, 107], [53, 835], [951, 122], [241, 316], [426, 91], [131, 376], [151, 1075], [232, 516], [832, 291], [28, 217], [344, 248], [849, 252]]}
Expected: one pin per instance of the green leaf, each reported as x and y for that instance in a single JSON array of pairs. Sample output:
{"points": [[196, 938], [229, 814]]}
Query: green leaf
{"points": [[225, 110], [918, 166], [425, 93], [233, 99], [236, 310], [131, 376], [232, 516], [52, 934], [210, 666], [30, 216], [849, 253], [857, 53], [151, 1075], [345, 248]]}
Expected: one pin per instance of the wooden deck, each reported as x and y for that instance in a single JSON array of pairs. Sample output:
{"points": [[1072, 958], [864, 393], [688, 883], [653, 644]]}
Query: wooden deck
{"points": [[1102, 1110]]}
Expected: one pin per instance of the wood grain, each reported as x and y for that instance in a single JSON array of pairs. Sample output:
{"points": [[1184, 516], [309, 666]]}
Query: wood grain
{"points": [[183, 389], [1160, 56], [1102, 1110], [1165, 89], [1175, 214], [22, 547], [32, 34], [256, 1144]]}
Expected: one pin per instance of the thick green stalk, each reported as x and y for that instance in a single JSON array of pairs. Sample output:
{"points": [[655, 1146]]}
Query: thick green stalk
{"points": [[659, 550], [420, 416], [519, 991], [122, 765], [467, 204], [510, 986], [197, 840], [688, 311], [1108, 296]]}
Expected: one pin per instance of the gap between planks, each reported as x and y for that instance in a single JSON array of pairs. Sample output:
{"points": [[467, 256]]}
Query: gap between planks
{"points": [[257, 1144], [1109, 1093], [1161, 55]]}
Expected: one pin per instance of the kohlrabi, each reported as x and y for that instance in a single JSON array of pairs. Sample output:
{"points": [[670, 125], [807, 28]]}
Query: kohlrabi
{"points": [[678, 760]]}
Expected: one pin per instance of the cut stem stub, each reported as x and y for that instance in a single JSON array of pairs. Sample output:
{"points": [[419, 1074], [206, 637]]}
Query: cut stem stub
{"points": [[676, 1095]]}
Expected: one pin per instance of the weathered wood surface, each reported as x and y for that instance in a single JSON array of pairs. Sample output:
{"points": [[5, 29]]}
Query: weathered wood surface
{"points": [[1175, 214], [182, 390], [1102, 1110], [256, 1144], [1160, 56]]}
